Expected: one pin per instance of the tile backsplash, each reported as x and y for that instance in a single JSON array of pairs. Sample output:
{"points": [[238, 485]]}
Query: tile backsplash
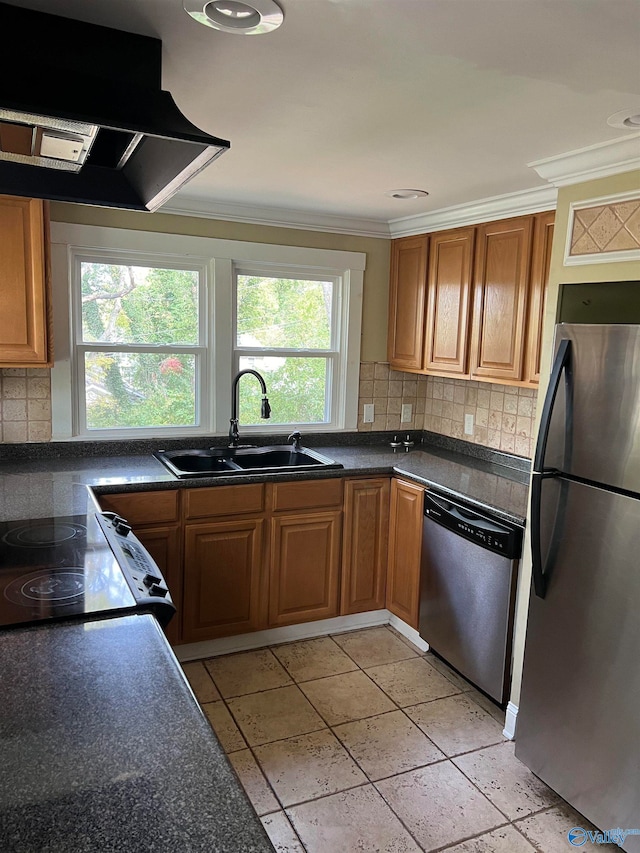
{"points": [[25, 404], [503, 415]]}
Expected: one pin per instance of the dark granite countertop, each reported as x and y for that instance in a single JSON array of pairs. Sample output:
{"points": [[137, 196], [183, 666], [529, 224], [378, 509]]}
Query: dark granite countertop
{"points": [[104, 748], [43, 487]]}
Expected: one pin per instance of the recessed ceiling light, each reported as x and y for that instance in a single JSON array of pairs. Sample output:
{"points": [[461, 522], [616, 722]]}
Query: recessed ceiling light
{"points": [[232, 16], [628, 119], [404, 194]]}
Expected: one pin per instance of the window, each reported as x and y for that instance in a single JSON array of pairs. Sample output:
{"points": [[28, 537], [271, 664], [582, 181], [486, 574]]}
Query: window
{"points": [[150, 330]]}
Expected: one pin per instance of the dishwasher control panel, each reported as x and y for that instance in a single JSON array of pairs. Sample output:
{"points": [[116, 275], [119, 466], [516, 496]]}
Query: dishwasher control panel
{"points": [[496, 536]]}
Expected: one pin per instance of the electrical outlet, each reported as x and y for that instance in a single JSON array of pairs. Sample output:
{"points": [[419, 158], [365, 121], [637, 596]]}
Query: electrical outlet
{"points": [[468, 424], [368, 413], [407, 410]]}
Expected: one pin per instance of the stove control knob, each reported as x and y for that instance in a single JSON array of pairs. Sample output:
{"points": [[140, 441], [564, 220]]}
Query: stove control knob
{"points": [[150, 580], [121, 527], [157, 590]]}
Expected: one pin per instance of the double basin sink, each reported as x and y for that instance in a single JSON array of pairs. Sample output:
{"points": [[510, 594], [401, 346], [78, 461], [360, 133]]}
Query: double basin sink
{"points": [[231, 461]]}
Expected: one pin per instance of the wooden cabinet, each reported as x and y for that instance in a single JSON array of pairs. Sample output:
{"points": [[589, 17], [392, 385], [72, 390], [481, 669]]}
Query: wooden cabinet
{"points": [[407, 303], [154, 517], [500, 292], [540, 266], [365, 545], [448, 301], [304, 566], [223, 569], [405, 548], [25, 338]]}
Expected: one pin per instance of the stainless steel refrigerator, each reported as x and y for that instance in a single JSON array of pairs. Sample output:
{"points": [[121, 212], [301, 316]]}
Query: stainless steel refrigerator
{"points": [[578, 724]]}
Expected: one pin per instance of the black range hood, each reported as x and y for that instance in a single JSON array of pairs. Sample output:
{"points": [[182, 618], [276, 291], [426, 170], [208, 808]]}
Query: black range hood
{"points": [[83, 117]]}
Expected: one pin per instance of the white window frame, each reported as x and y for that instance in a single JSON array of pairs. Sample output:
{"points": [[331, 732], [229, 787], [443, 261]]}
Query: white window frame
{"points": [[217, 260]]}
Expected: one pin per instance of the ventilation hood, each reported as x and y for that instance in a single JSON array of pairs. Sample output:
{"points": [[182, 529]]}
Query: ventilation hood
{"points": [[83, 117]]}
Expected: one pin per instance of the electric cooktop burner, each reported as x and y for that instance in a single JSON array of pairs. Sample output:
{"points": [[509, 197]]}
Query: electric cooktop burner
{"points": [[64, 586], [43, 534]]}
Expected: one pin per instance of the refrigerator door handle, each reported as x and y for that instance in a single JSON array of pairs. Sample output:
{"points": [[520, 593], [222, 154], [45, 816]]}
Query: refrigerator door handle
{"points": [[560, 364], [537, 569]]}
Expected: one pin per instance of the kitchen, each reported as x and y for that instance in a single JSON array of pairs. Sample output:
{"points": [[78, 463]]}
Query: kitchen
{"points": [[15, 416]]}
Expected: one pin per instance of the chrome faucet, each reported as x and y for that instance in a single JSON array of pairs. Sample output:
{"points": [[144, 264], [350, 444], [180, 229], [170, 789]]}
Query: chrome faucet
{"points": [[296, 438], [234, 436]]}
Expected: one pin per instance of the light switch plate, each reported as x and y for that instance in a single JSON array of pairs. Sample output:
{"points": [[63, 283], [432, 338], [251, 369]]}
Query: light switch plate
{"points": [[368, 413], [407, 409], [468, 424]]}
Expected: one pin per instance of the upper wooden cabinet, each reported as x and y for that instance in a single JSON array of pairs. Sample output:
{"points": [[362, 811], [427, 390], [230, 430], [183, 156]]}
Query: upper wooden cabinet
{"points": [[540, 266], [448, 300], [483, 299], [407, 302], [25, 339], [500, 292]]}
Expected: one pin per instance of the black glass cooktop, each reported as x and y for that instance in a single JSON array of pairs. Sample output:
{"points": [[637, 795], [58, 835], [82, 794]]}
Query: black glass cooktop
{"points": [[57, 568]]}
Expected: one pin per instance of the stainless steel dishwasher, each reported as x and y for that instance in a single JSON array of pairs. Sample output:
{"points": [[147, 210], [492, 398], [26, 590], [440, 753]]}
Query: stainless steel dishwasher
{"points": [[467, 595]]}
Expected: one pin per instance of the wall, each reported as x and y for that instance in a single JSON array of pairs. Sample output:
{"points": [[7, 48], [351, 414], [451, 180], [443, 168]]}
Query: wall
{"points": [[559, 274]]}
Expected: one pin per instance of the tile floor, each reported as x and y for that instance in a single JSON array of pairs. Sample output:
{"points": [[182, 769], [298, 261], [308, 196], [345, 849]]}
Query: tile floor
{"points": [[359, 742]]}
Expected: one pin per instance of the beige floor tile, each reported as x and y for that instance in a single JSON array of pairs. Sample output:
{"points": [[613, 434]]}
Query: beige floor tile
{"points": [[310, 766], [487, 705], [461, 683], [503, 840], [201, 682], [223, 725], [247, 672], [253, 781], [439, 805], [373, 646], [274, 715], [409, 682], [388, 744], [456, 724], [281, 833], [506, 781], [549, 830], [310, 659], [347, 697], [354, 820]]}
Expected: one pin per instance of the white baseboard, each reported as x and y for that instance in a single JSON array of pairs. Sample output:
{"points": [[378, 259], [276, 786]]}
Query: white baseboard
{"points": [[510, 721], [304, 631]]}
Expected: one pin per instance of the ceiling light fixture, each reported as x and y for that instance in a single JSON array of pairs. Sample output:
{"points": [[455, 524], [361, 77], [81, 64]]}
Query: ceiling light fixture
{"points": [[406, 194], [232, 16], [627, 119]]}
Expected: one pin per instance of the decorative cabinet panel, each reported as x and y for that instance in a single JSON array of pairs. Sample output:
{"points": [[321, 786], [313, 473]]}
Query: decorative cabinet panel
{"points": [[407, 302], [448, 301], [500, 293], [405, 548], [223, 568], [540, 266], [25, 339], [365, 544]]}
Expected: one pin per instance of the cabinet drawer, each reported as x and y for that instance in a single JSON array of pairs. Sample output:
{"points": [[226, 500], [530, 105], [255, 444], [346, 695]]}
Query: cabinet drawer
{"points": [[224, 500], [307, 494], [143, 507]]}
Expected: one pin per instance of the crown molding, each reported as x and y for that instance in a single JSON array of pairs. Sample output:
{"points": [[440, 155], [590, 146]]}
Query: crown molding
{"points": [[277, 217], [475, 212], [595, 161]]}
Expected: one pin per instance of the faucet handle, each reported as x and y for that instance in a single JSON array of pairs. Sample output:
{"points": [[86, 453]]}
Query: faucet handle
{"points": [[296, 437]]}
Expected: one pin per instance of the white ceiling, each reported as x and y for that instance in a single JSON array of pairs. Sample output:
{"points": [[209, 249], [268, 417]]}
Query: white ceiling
{"points": [[351, 98]]}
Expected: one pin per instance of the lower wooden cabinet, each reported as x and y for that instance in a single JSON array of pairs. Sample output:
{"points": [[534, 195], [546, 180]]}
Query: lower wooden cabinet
{"points": [[405, 547], [304, 567], [165, 546], [364, 545], [223, 564]]}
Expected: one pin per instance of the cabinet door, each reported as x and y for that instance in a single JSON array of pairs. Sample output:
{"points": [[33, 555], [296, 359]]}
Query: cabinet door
{"points": [[164, 545], [365, 545], [23, 283], [305, 567], [540, 265], [405, 546], [448, 301], [143, 507], [407, 302], [500, 287], [222, 570]]}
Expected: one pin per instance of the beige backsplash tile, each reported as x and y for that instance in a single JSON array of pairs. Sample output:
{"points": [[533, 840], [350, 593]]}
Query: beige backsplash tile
{"points": [[25, 404], [503, 415]]}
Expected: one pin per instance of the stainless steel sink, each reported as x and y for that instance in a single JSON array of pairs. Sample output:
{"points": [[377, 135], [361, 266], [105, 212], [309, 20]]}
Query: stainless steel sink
{"points": [[232, 461]]}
